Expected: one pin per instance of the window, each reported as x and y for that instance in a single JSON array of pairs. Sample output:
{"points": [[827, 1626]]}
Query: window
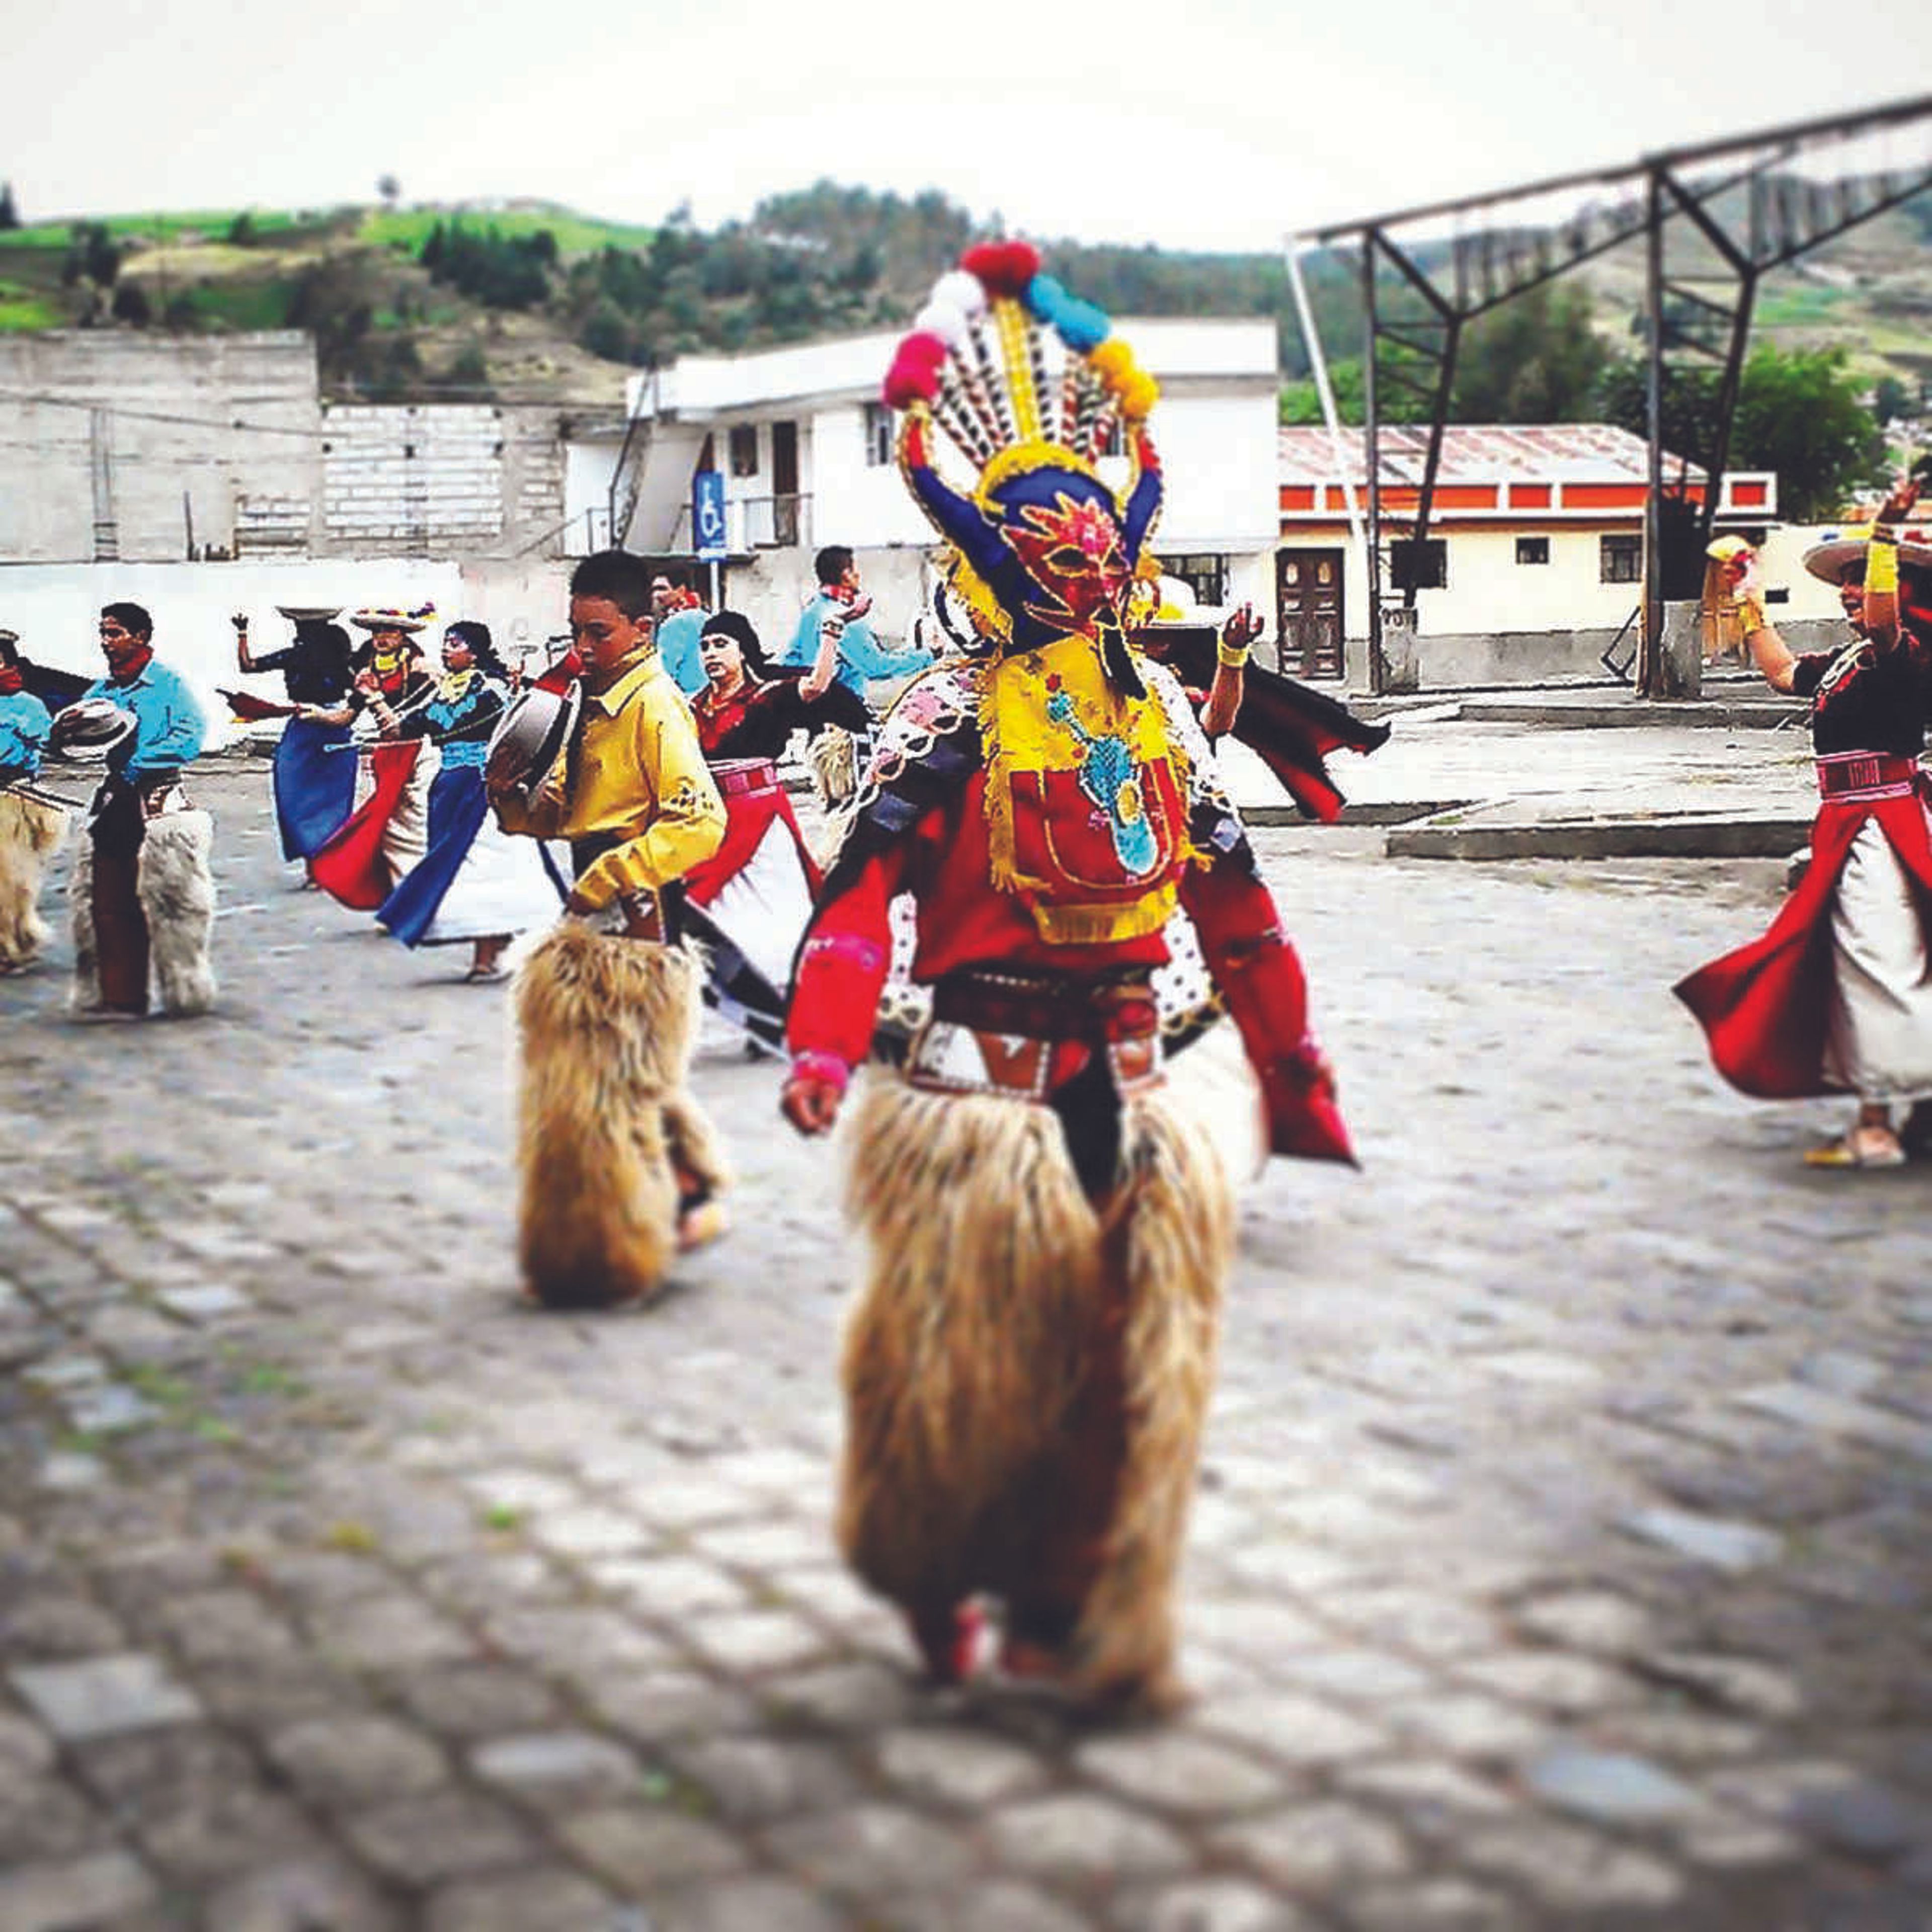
{"points": [[1622, 560], [1204, 573], [878, 435], [744, 449], [1423, 566], [1532, 550]]}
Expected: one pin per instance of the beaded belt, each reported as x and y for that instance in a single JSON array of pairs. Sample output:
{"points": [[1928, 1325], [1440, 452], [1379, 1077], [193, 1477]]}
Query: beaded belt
{"points": [[990, 1034], [745, 777], [1850, 778]]}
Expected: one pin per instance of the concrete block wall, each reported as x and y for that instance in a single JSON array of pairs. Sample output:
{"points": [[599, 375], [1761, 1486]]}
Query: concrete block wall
{"points": [[421, 479], [165, 435]]}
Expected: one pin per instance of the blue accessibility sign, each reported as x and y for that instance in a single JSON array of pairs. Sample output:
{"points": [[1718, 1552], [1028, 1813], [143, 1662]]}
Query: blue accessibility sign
{"points": [[707, 515]]}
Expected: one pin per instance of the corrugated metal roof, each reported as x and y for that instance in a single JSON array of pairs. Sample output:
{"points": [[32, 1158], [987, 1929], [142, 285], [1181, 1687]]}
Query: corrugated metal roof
{"points": [[1478, 453]]}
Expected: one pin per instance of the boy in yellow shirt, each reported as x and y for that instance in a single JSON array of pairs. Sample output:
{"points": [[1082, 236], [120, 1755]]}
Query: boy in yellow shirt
{"points": [[619, 1168]]}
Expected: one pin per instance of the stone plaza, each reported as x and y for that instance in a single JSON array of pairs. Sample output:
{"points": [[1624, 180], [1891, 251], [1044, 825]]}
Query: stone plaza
{"points": [[1560, 1557]]}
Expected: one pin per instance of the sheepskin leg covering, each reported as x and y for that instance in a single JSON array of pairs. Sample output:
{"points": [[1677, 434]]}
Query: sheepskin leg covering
{"points": [[176, 887], [1169, 1238], [835, 766], [85, 991], [30, 833], [963, 1352], [604, 1027], [1025, 1377]]}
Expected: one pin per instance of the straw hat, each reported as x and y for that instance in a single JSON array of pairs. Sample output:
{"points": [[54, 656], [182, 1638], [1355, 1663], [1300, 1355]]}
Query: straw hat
{"points": [[312, 614], [90, 728], [408, 622], [1827, 560]]}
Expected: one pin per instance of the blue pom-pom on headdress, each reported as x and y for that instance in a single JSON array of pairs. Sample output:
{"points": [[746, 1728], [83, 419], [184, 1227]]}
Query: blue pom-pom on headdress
{"points": [[1080, 324]]}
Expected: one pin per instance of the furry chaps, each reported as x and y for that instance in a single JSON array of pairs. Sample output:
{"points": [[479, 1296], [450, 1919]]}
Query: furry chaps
{"points": [[604, 1028], [30, 833], [1026, 1375], [834, 762], [177, 891]]}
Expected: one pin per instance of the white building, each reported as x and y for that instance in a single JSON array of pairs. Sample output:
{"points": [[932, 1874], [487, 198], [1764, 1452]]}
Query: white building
{"points": [[805, 447], [1532, 565]]}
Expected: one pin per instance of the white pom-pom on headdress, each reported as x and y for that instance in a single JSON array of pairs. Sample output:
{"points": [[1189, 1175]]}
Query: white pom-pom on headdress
{"points": [[943, 319], [960, 289]]}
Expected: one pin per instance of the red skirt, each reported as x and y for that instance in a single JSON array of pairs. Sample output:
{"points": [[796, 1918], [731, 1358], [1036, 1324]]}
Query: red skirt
{"points": [[353, 866], [1766, 1008], [754, 801]]}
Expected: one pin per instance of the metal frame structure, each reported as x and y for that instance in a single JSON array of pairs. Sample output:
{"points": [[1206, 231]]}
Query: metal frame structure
{"points": [[1738, 199]]}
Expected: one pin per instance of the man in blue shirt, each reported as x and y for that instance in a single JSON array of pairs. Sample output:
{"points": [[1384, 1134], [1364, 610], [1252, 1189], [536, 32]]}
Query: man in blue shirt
{"points": [[839, 758], [680, 619], [862, 656], [143, 894], [30, 826]]}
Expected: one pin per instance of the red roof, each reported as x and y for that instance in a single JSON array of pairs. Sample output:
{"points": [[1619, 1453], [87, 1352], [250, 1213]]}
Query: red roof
{"points": [[1478, 453]]}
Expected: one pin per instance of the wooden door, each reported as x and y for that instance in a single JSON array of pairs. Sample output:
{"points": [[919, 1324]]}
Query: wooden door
{"points": [[784, 483], [1308, 602]]}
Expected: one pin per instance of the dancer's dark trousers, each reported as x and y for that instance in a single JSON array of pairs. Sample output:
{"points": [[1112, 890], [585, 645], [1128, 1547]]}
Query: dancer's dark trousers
{"points": [[120, 925]]}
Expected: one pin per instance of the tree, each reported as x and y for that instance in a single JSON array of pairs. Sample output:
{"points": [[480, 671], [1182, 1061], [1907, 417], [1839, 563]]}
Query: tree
{"points": [[1535, 359], [90, 252], [1799, 414], [1891, 400], [10, 215], [131, 305], [389, 188], [242, 230]]}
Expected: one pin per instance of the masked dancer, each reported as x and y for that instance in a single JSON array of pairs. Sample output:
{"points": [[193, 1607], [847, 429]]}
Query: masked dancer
{"points": [[1028, 1365], [619, 1168], [1836, 996]]}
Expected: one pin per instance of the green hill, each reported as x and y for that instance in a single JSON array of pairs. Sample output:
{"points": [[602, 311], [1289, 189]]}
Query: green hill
{"points": [[528, 300]]}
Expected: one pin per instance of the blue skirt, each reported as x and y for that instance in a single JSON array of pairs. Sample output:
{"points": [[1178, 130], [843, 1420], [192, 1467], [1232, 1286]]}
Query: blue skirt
{"points": [[315, 787], [457, 807]]}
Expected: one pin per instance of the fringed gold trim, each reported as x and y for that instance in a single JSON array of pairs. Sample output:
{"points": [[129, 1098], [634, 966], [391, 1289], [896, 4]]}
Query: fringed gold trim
{"points": [[1061, 925], [1020, 458], [966, 1346]]}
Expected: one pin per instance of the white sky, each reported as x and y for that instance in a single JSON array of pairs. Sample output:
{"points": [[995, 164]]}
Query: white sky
{"points": [[1213, 124]]}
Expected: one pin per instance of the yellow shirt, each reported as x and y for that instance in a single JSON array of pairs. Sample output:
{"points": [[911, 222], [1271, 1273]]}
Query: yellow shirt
{"points": [[638, 773]]}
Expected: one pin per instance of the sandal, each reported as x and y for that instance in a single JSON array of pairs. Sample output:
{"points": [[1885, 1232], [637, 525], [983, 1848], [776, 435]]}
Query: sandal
{"points": [[1861, 1147], [482, 976]]}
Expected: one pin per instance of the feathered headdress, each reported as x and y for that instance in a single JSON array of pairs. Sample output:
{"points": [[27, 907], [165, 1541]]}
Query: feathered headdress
{"points": [[1029, 384]]}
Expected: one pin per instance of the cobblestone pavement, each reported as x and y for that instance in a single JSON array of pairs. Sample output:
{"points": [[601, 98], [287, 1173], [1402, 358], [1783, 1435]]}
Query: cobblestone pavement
{"points": [[1560, 1558]]}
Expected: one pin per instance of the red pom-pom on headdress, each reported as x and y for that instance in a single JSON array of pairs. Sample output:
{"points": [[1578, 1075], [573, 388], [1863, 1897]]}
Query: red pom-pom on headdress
{"points": [[1005, 267], [914, 375]]}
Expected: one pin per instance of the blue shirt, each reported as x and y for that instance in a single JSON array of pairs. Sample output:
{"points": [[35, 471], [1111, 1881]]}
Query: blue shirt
{"points": [[861, 655], [25, 724], [677, 649], [169, 727], [473, 712]]}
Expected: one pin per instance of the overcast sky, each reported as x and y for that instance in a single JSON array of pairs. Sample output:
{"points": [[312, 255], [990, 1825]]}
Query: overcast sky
{"points": [[1219, 123]]}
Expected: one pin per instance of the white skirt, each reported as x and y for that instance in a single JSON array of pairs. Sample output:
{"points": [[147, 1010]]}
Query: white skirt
{"points": [[1880, 1045]]}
